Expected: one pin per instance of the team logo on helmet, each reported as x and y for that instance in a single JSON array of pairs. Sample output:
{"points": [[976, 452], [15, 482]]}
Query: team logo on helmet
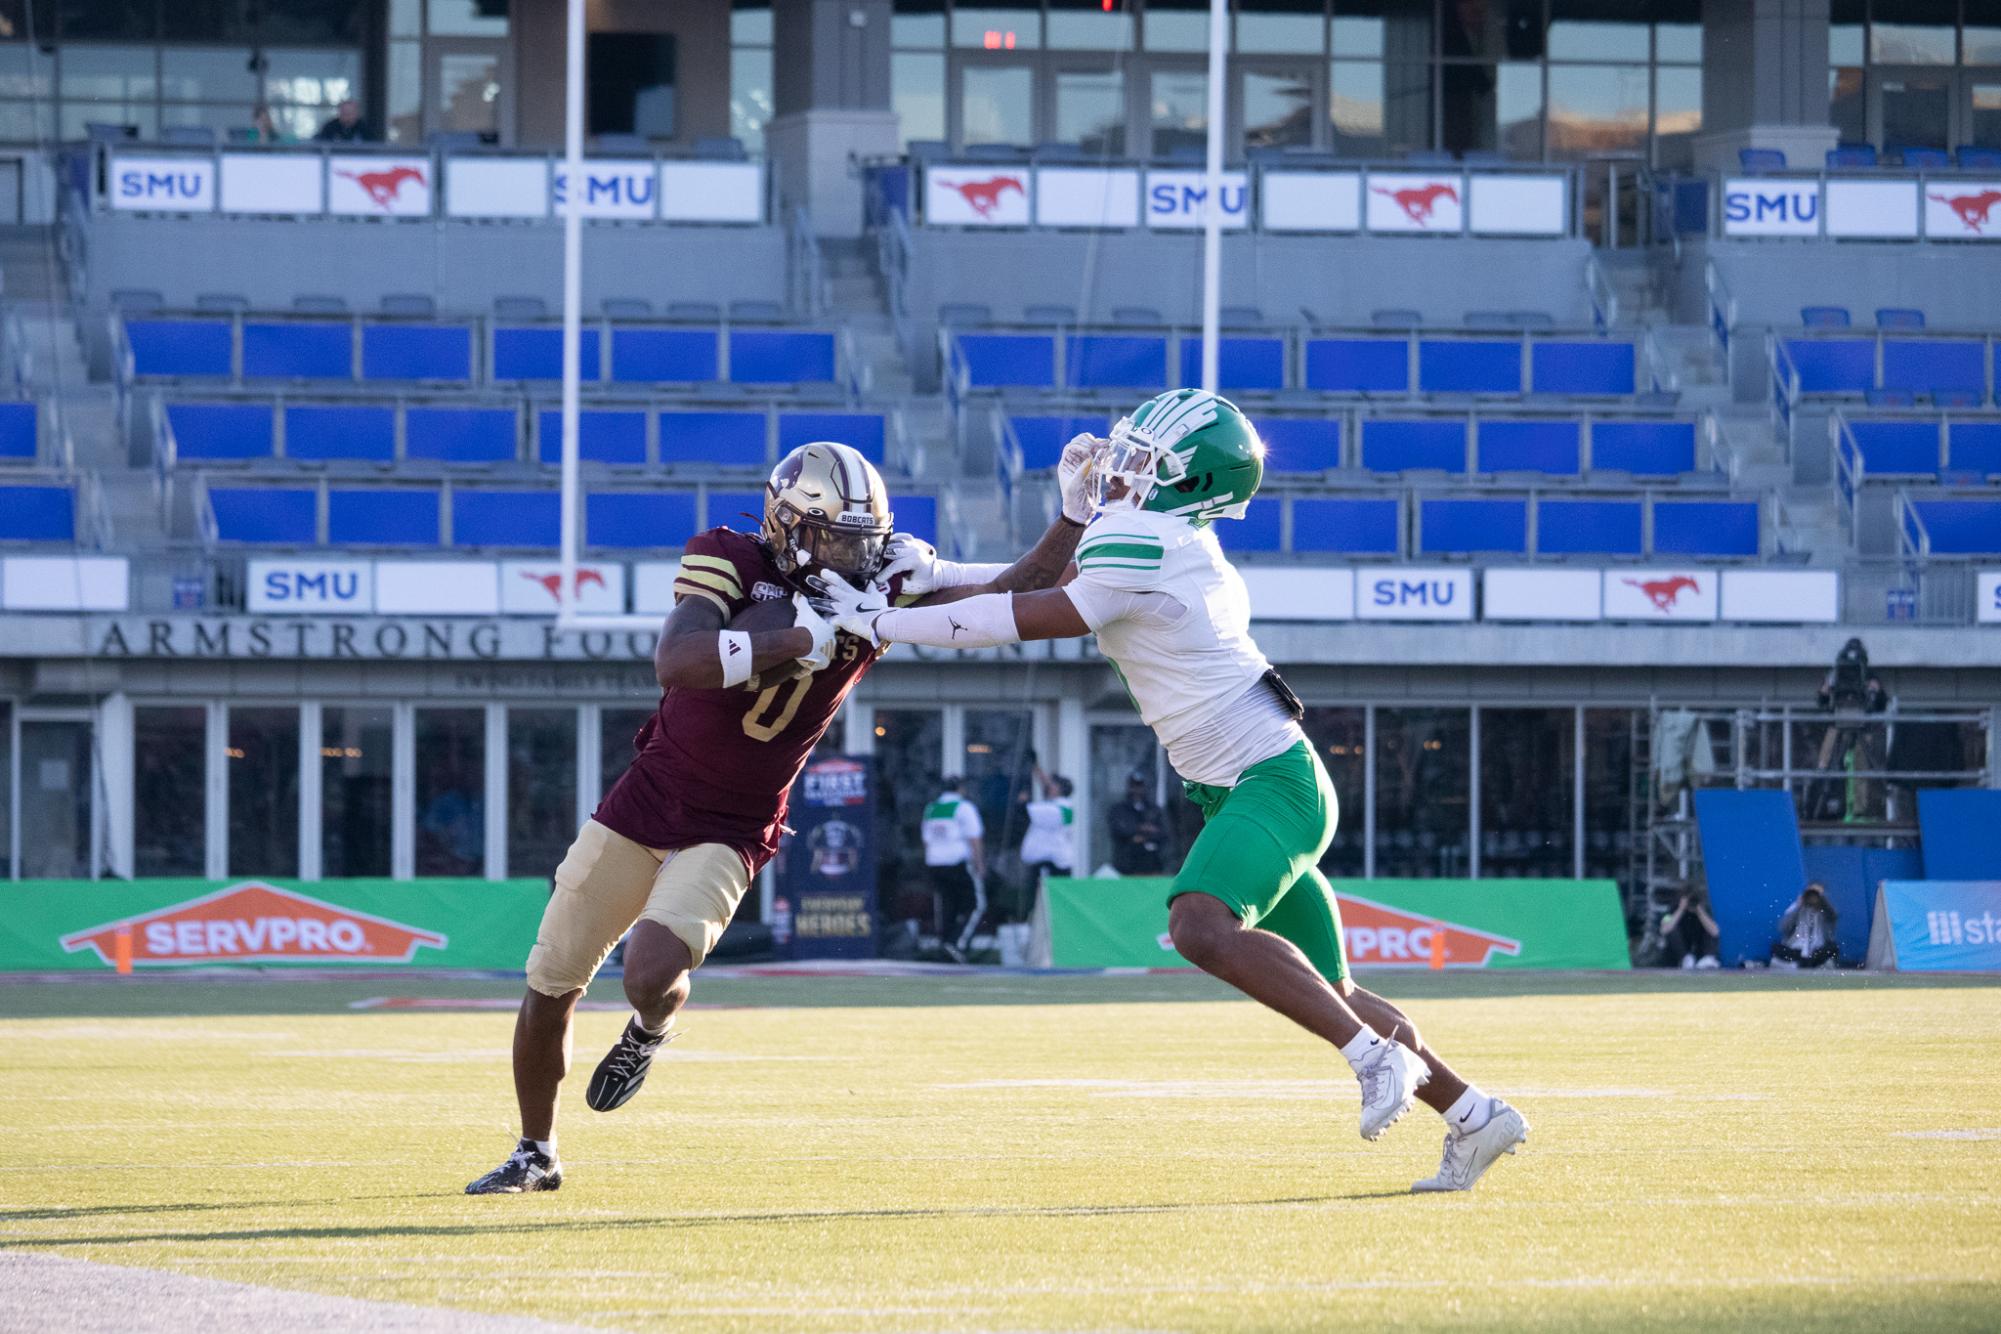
{"points": [[1187, 452], [826, 508]]}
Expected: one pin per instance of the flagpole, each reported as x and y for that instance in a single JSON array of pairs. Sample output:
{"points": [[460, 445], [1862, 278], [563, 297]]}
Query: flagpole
{"points": [[1212, 194]]}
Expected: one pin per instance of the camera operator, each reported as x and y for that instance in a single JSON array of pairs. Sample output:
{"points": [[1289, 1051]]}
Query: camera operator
{"points": [[1806, 932], [1851, 687]]}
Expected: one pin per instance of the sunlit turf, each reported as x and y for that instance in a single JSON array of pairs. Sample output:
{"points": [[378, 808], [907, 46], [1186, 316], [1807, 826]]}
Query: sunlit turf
{"points": [[1002, 1153]]}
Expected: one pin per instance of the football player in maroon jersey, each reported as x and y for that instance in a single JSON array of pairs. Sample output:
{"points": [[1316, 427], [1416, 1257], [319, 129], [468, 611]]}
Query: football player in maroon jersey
{"points": [[676, 842]]}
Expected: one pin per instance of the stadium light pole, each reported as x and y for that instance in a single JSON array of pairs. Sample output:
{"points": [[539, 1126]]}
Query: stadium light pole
{"points": [[573, 272], [1212, 194]]}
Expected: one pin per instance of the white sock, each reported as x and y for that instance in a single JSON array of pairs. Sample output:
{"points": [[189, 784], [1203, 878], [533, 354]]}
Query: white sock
{"points": [[1472, 1110], [640, 1024], [545, 1147], [1360, 1046]]}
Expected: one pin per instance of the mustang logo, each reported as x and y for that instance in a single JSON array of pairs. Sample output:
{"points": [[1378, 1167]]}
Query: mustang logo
{"points": [[384, 186], [1973, 210], [1663, 593], [553, 581], [1418, 204], [983, 197]]}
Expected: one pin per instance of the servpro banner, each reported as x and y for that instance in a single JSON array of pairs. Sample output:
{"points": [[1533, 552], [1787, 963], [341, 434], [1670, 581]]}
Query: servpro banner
{"points": [[146, 924], [1384, 923]]}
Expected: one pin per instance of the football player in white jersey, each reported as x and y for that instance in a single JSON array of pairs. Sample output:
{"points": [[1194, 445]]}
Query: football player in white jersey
{"points": [[1150, 581]]}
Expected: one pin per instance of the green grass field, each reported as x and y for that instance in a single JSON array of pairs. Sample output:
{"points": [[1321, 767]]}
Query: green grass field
{"points": [[1016, 1153]]}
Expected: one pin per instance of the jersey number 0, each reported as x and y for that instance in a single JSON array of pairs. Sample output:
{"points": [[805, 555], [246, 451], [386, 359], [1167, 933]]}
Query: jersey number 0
{"points": [[768, 715]]}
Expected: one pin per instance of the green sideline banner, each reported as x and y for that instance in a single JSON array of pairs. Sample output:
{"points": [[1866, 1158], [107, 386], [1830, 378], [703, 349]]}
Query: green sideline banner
{"points": [[154, 924], [1384, 923]]}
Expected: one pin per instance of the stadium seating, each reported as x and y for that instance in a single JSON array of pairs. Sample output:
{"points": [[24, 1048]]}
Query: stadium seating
{"points": [[20, 433], [37, 512], [1870, 449], [1938, 527], [1891, 368]]}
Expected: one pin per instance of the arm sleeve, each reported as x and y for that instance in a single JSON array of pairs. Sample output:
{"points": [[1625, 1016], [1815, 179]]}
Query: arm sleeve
{"points": [[711, 571], [975, 622]]}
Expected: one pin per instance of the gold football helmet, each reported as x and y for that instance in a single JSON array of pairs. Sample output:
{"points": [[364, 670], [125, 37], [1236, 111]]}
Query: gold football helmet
{"points": [[826, 508]]}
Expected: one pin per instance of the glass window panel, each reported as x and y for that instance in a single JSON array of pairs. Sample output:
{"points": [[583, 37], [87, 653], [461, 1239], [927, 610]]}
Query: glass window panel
{"points": [[1610, 800], [997, 105], [27, 71], [750, 95], [1391, 29], [405, 122], [1488, 29], [468, 91], [1355, 105], [57, 789], [917, 93], [908, 752], [1844, 31], [541, 788], [207, 21], [451, 792], [118, 20], [467, 18], [1126, 765], [1177, 25], [997, 771], [1340, 735], [1091, 110], [618, 730], [1986, 115], [1281, 27], [1846, 105], [406, 18], [998, 27], [311, 78], [1526, 787], [1406, 108], [1677, 114], [218, 116], [1278, 108], [263, 758], [1492, 109], [15, 20], [325, 20], [6, 790], [1980, 40], [1087, 25], [1597, 109], [1422, 814], [1179, 110], [109, 72], [355, 790], [78, 116], [1916, 111], [750, 23], [1598, 30], [169, 764], [1678, 43], [918, 24], [1914, 32], [27, 122], [204, 74]]}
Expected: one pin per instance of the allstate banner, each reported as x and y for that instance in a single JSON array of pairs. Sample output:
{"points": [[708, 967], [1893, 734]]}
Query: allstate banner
{"points": [[1937, 926], [1122, 923], [826, 873], [51, 925]]}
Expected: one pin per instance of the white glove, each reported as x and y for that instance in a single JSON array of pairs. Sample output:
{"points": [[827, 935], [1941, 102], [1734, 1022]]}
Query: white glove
{"points": [[913, 558], [852, 610], [1073, 476], [809, 620]]}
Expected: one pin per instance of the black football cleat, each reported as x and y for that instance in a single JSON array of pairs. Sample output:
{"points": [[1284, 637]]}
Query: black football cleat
{"points": [[526, 1169], [623, 1068]]}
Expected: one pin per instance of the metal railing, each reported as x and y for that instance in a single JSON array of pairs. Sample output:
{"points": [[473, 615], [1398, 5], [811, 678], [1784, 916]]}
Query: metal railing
{"points": [[1722, 306], [1604, 301]]}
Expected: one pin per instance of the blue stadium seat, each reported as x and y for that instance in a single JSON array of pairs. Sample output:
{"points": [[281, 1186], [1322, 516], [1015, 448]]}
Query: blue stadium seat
{"points": [[1469, 366], [1974, 158], [180, 347], [1961, 527], [1358, 365], [916, 515], [417, 352], [216, 431], [1042, 438], [19, 433], [1761, 159], [1974, 447], [1824, 317], [285, 516], [1007, 360], [1242, 364], [863, 430], [382, 518], [37, 514], [1261, 528], [1899, 317], [781, 356], [1581, 367], [1391, 445], [298, 350], [734, 509], [638, 520], [1646, 448], [324, 432], [506, 518], [665, 356], [729, 439], [1301, 444], [1851, 155], [1588, 527], [1462, 527], [1115, 361], [1706, 527], [1528, 446], [604, 435], [1932, 365], [535, 352], [1834, 365], [1347, 527], [462, 435], [1892, 448], [1925, 159]]}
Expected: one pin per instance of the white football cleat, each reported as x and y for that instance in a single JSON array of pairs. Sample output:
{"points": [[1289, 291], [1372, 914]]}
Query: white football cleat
{"points": [[1469, 1155], [1390, 1075]]}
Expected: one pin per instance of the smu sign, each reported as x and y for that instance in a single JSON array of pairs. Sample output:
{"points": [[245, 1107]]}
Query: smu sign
{"points": [[612, 189], [318, 586], [1413, 593], [1754, 206], [156, 184], [1179, 199]]}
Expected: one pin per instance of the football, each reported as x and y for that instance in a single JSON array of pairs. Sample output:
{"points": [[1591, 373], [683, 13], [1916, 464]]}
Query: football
{"points": [[776, 614]]}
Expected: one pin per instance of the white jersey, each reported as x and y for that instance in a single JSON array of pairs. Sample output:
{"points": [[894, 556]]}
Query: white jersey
{"points": [[951, 823], [1051, 833], [1174, 617]]}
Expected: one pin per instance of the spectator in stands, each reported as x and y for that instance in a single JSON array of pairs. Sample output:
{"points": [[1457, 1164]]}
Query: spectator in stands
{"points": [[1851, 687], [1806, 932], [264, 130], [1689, 932], [346, 127], [1139, 830], [955, 860], [1050, 845]]}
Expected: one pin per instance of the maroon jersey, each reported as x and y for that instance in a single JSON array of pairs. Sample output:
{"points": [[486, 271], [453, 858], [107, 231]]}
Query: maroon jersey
{"points": [[717, 766]]}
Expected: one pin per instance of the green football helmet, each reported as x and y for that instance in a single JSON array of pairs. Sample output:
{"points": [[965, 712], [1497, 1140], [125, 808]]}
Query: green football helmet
{"points": [[1186, 452]]}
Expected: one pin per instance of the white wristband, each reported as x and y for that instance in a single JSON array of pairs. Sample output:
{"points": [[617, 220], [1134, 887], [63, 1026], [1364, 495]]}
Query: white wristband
{"points": [[733, 648], [975, 622], [951, 574]]}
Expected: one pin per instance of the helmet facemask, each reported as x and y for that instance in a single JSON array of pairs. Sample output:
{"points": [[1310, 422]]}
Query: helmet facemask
{"points": [[826, 511], [1132, 459]]}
